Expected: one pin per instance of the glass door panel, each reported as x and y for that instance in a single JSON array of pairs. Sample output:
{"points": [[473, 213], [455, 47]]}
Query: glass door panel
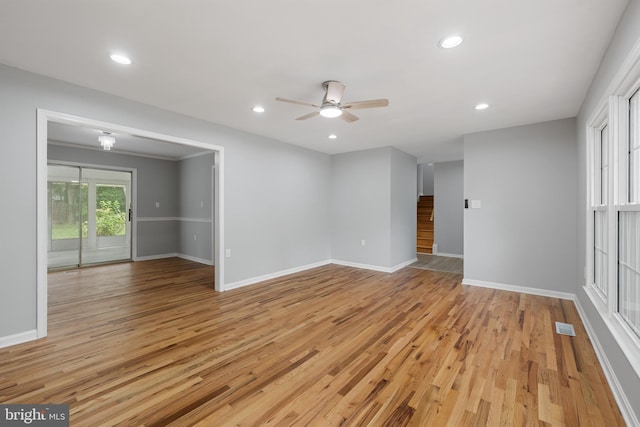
{"points": [[88, 216], [107, 222], [64, 216]]}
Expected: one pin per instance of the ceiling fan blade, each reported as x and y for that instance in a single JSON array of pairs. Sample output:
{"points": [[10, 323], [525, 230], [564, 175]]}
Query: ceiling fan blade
{"points": [[335, 90], [296, 102], [373, 103], [308, 116], [348, 117]]}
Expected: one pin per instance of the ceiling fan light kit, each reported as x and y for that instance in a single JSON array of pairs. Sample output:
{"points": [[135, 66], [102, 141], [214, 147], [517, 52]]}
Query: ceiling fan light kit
{"points": [[331, 105], [330, 111]]}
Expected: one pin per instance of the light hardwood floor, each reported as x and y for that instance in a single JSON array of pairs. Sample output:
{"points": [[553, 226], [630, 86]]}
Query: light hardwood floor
{"points": [[149, 343]]}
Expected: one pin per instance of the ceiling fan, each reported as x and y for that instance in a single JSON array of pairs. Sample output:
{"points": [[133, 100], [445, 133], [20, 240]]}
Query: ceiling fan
{"points": [[331, 103]]}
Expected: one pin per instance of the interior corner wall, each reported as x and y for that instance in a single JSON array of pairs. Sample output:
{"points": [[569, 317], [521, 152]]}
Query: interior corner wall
{"points": [[196, 203], [403, 207], [448, 191], [361, 207], [276, 215], [627, 36], [373, 200], [525, 179]]}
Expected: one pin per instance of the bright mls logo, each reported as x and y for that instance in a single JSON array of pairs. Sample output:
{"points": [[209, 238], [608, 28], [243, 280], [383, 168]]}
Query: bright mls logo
{"points": [[34, 415]]}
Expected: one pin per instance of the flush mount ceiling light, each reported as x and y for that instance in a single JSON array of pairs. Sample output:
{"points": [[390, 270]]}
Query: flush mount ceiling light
{"points": [[258, 109], [120, 59], [482, 106], [106, 140], [330, 111], [450, 41], [333, 136]]}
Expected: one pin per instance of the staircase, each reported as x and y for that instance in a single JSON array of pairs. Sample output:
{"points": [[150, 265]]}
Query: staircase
{"points": [[424, 242]]}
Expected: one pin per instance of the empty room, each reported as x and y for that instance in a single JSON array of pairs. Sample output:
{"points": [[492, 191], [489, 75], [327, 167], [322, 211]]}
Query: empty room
{"points": [[284, 213]]}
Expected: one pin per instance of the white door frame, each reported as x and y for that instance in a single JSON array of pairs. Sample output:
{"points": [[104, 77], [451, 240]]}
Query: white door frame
{"points": [[46, 116]]}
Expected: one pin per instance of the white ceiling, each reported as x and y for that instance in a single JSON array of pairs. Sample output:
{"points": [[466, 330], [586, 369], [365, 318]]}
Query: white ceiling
{"points": [[531, 60], [87, 137]]}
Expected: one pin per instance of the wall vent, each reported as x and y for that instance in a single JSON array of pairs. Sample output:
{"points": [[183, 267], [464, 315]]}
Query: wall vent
{"points": [[565, 329]]}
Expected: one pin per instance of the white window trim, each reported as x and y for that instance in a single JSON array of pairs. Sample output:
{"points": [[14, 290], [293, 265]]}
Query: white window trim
{"points": [[611, 109], [594, 131]]}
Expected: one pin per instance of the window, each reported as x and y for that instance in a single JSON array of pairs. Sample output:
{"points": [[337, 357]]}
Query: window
{"points": [[599, 207], [629, 224], [634, 149], [612, 209]]}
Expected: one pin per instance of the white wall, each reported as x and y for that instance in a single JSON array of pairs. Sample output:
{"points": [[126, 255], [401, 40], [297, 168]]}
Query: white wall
{"points": [[626, 36], [448, 190], [280, 225], [525, 178]]}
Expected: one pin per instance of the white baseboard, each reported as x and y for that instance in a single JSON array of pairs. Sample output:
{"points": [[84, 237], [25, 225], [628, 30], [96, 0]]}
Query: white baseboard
{"points": [[450, 255], [195, 259], [621, 398], [251, 281], [151, 257], [172, 255], [521, 289], [18, 338], [374, 267], [403, 265]]}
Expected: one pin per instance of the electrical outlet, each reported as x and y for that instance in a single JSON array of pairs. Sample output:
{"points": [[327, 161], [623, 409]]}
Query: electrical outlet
{"points": [[157, 204], [202, 203], [363, 242], [228, 253], [194, 237]]}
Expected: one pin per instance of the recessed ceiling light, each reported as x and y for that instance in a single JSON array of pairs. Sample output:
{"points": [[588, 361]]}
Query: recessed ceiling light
{"points": [[482, 106], [120, 59], [258, 109], [333, 136], [450, 41]]}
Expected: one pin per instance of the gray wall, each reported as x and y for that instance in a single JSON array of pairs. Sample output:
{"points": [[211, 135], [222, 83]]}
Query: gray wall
{"points": [[427, 179], [448, 214], [403, 207], [282, 226], [360, 207], [525, 178], [196, 196], [626, 36], [372, 192]]}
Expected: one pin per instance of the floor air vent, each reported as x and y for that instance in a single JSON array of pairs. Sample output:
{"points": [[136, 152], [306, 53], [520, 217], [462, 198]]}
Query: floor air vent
{"points": [[565, 329]]}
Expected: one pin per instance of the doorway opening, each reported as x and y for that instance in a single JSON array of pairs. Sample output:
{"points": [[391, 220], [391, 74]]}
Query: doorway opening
{"points": [[89, 214], [44, 241]]}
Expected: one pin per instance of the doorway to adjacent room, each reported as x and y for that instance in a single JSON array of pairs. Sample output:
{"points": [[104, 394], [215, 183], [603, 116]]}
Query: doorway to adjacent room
{"points": [[89, 213]]}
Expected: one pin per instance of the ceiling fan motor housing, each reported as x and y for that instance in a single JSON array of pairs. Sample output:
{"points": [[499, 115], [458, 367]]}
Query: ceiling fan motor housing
{"points": [[333, 91]]}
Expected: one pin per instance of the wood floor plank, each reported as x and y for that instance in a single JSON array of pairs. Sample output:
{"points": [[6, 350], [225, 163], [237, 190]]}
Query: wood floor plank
{"points": [[150, 343]]}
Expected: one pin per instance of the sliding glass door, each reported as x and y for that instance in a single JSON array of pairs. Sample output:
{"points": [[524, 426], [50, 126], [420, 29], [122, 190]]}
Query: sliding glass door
{"points": [[89, 216]]}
